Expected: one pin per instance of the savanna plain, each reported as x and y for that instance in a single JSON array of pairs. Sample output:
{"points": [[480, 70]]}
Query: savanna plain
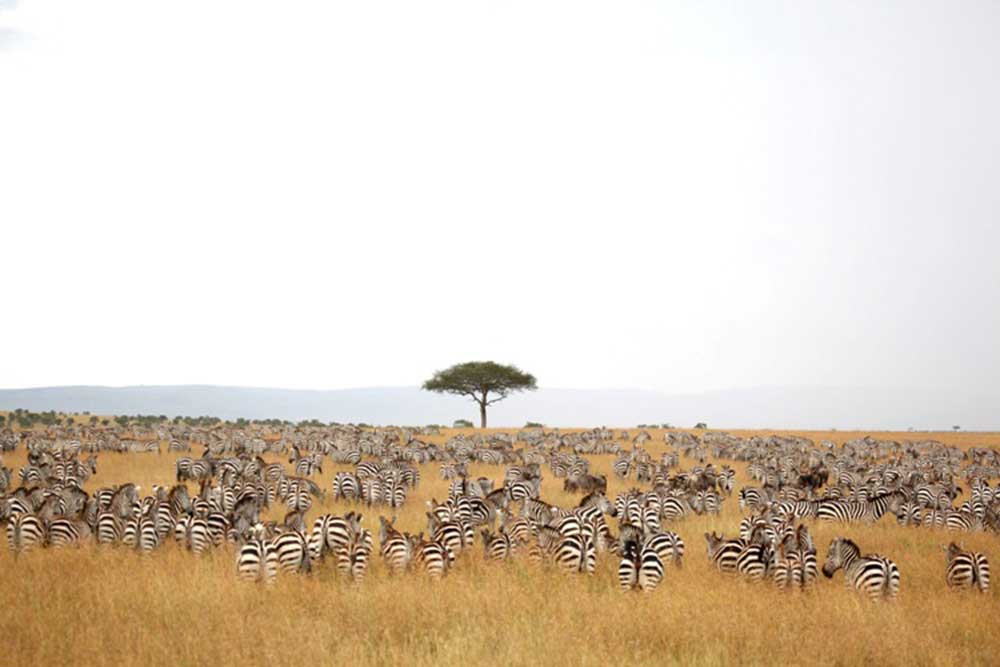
{"points": [[104, 606]]}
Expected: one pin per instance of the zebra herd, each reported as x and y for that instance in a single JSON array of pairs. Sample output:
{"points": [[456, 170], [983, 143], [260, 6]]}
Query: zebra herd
{"points": [[796, 482]]}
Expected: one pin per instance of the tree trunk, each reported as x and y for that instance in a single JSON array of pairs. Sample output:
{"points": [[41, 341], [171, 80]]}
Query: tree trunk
{"points": [[482, 415]]}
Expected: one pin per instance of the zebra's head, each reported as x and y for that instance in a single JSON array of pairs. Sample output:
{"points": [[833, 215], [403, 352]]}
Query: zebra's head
{"points": [[842, 551], [713, 542]]}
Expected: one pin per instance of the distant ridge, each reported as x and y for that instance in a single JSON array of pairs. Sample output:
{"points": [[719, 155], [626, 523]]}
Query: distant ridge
{"points": [[765, 407]]}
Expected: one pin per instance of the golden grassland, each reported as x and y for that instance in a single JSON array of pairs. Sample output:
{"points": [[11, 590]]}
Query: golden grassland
{"points": [[112, 606]]}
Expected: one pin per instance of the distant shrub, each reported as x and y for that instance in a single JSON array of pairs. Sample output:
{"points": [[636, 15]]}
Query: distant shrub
{"points": [[534, 425], [701, 425], [462, 423]]}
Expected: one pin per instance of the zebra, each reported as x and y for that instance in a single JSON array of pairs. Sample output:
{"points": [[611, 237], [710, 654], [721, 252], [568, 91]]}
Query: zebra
{"points": [[395, 547], [668, 546], [452, 534], [842, 511], [794, 561], [966, 570], [257, 561], [523, 490], [371, 490], [298, 500], [430, 556], [66, 532], [367, 470], [909, 514], [674, 509], [331, 532], [307, 466], [640, 568], [707, 502], [196, 534], [353, 557], [576, 553], [394, 494], [293, 552], [964, 521], [753, 561], [723, 553], [140, 534], [519, 529], [108, 528], [346, 486], [538, 512], [25, 531], [496, 546], [872, 574]]}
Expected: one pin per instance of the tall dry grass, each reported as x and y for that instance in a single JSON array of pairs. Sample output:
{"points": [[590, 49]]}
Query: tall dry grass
{"points": [[111, 606]]}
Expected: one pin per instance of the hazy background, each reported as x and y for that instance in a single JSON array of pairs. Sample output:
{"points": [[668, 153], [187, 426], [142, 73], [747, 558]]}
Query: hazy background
{"points": [[759, 407], [671, 197]]}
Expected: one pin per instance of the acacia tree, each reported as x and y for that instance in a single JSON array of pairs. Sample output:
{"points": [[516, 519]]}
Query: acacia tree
{"points": [[478, 380]]}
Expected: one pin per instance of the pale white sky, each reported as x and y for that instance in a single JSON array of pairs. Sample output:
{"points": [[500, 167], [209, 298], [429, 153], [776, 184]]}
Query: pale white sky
{"points": [[674, 196]]}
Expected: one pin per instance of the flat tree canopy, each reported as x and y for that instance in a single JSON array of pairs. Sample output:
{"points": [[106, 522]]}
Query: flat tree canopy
{"points": [[478, 380]]}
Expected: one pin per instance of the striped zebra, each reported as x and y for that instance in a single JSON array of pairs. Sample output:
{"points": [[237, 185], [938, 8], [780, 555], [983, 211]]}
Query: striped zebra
{"points": [[497, 546], [293, 552], [966, 570], [371, 490], [108, 528], [668, 545], [195, 533], [538, 512], [454, 535], [706, 502], [872, 574], [346, 486], [298, 499], [523, 490], [753, 562], [849, 511], [640, 568], [67, 532], [429, 556], [752, 498], [353, 557], [909, 514], [308, 466], [727, 480], [794, 564], [675, 509], [257, 561], [576, 554], [962, 521], [621, 467], [395, 547], [519, 529], [723, 553], [331, 532], [394, 494], [25, 532], [367, 470], [140, 534]]}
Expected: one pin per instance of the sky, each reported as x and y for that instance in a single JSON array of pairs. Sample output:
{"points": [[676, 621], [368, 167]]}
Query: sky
{"points": [[681, 197]]}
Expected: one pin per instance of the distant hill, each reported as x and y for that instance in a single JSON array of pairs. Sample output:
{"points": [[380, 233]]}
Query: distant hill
{"points": [[765, 407]]}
